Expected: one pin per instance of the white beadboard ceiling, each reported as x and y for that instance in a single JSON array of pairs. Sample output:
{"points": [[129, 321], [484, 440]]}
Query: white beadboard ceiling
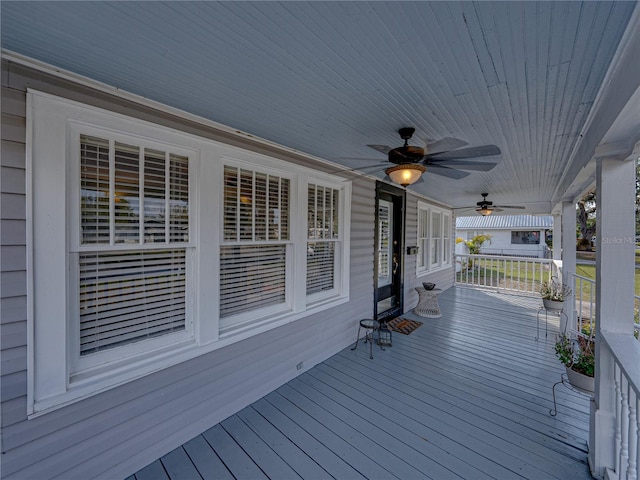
{"points": [[328, 78]]}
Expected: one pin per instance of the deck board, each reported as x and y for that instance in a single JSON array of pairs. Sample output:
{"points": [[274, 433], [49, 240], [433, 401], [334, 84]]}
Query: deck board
{"points": [[464, 396]]}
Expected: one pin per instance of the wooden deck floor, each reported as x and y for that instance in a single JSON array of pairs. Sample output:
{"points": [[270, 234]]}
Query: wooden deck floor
{"points": [[464, 396]]}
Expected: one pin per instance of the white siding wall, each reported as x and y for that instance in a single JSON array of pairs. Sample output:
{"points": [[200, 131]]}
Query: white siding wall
{"points": [[115, 433], [442, 278]]}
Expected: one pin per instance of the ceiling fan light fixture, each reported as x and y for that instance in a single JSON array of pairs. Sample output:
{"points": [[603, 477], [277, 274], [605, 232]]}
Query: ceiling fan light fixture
{"points": [[484, 211], [406, 173]]}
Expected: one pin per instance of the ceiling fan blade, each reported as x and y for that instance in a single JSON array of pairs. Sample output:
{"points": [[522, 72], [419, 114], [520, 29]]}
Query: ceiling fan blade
{"points": [[381, 148], [471, 152], [446, 171], [519, 207], [462, 164], [364, 167], [445, 144], [361, 159]]}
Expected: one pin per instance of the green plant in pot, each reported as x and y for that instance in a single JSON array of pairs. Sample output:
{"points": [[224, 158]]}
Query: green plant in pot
{"points": [[578, 356], [554, 294]]}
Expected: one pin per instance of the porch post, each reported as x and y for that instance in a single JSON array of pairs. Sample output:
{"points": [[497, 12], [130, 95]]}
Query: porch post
{"points": [[615, 276], [568, 259], [557, 237]]}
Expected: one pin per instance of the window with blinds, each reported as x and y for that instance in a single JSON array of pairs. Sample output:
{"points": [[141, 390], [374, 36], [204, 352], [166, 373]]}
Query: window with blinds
{"points": [[127, 296], [423, 239], [253, 258], [434, 238], [322, 236], [134, 213]]}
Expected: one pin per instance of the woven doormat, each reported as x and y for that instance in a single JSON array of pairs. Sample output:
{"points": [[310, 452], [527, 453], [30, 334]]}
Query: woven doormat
{"points": [[402, 325]]}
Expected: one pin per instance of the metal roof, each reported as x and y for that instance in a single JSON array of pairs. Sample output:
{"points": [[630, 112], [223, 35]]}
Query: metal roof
{"points": [[504, 222]]}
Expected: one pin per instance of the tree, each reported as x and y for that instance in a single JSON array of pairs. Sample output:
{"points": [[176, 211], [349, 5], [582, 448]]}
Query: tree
{"points": [[586, 217], [475, 244], [638, 196]]}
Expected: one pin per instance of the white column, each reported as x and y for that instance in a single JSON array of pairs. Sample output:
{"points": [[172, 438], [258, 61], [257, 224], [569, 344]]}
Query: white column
{"points": [[615, 245], [615, 277], [568, 259], [557, 237]]}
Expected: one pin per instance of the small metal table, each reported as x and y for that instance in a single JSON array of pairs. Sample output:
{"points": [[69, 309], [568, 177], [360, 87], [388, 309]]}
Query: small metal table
{"points": [[370, 327]]}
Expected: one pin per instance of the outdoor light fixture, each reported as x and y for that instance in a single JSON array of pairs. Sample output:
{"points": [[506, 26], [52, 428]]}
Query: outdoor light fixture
{"points": [[406, 173], [484, 211]]}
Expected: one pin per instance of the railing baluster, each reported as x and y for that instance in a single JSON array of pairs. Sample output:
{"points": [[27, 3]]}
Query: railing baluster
{"points": [[624, 427], [632, 435], [618, 437]]}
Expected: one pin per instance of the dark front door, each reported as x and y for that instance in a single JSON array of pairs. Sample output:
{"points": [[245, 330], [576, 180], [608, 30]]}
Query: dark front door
{"points": [[389, 239]]}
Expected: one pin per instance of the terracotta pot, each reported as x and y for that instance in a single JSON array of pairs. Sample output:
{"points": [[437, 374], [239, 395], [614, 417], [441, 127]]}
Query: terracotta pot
{"points": [[580, 381], [552, 305]]}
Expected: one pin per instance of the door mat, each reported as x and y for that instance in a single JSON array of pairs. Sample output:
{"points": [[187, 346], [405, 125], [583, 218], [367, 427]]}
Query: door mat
{"points": [[402, 325]]}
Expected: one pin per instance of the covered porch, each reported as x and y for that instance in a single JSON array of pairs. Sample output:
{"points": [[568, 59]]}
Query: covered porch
{"points": [[464, 396]]}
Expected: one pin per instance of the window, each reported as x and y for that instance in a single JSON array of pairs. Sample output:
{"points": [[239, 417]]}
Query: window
{"points": [[253, 257], [525, 238], [434, 238], [148, 247], [423, 238], [323, 240], [131, 198]]}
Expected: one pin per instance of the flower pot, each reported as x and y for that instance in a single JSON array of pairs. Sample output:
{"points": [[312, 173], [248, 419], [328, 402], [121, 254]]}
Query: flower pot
{"points": [[580, 381], [552, 305]]}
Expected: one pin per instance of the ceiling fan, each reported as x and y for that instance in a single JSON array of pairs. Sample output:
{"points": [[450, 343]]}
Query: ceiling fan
{"points": [[443, 157], [486, 207]]}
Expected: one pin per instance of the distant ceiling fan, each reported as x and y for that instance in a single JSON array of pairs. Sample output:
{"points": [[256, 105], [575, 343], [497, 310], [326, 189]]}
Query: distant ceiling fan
{"points": [[486, 207], [442, 157]]}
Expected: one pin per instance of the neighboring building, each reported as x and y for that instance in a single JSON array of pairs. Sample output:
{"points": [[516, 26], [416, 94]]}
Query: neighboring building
{"points": [[511, 235]]}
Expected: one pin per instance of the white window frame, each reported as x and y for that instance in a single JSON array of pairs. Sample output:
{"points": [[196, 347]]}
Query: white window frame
{"points": [[441, 240], [339, 240], [54, 377], [248, 319]]}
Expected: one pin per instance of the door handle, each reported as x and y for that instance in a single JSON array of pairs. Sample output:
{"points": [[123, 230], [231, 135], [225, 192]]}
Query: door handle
{"points": [[395, 264]]}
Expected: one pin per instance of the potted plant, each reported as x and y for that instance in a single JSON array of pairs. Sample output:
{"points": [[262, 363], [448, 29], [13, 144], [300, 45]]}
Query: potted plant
{"points": [[554, 294], [578, 357]]}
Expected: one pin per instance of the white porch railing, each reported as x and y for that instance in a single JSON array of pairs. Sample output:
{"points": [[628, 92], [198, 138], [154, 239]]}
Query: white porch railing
{"points": [[584, 291], [636, 315], [514, 274], [623, 400]]}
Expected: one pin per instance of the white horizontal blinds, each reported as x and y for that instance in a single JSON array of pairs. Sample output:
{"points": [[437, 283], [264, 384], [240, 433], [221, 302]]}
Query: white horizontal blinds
{"points": [[126, 193], [256, 219], [446, 239], [94, 190], [231, 199], [436, 237], [322, 233], [384, 219], [251, 277], [423, 237], [178, 198], [155, 195], [128, 296]]}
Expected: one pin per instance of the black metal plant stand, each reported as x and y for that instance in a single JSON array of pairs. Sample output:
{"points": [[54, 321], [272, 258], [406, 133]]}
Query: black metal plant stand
{"points": [[546, 320], [564, 380]]}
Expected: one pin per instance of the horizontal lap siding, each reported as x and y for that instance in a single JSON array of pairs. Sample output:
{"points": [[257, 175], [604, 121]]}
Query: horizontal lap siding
{"points": [[115, 433], [13, 276]]}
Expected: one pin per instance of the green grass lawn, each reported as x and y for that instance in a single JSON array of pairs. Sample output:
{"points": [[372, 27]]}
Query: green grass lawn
{"points": [[589, 271]]}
